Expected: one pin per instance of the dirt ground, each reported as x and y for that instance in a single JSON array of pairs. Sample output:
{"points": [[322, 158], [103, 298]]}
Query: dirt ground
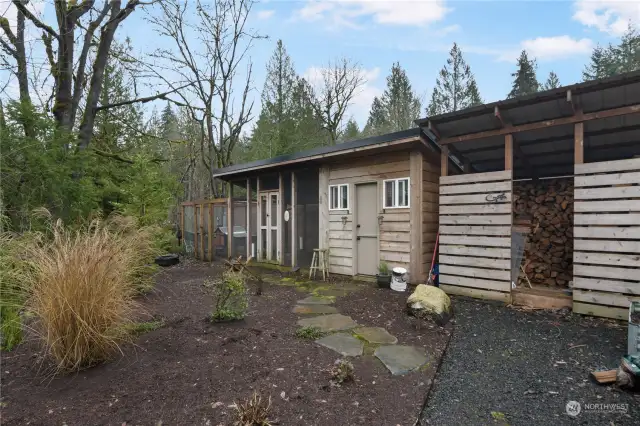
{"points": [[191, 371]]}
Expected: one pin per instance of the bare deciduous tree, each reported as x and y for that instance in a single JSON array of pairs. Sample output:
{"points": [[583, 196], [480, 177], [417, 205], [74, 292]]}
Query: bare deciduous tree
{"points": [[217, 95], [340, 82]]}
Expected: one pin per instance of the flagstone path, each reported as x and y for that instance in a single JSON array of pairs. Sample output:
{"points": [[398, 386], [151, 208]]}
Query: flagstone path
{"points": [[348, 338]]}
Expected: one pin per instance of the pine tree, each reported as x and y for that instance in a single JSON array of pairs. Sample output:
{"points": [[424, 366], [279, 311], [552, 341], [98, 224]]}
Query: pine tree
{"points": [[552, 82], [401, 104], [351, 131], [377, 121], [455, 88], [525, 81], [612, 60], [168, 123]]}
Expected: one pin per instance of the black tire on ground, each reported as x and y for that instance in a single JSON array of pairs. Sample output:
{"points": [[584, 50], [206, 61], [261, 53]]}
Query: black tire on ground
{"points": [[167, 260]]}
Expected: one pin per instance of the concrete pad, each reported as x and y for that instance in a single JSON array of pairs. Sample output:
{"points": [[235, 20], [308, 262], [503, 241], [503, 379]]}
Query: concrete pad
{"points": [[316, 300], [344, 344], [401, 359], [315, 309], [329, 323], [376, 335]]}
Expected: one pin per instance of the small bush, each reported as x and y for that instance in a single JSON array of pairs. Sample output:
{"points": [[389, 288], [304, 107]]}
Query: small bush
{"points": [[81, 285], [309, 333], [253, 412], [231, 300], [342, 371]]}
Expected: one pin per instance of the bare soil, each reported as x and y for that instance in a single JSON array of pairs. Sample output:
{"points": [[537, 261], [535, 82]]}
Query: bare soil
{"points": [[192, 371]]}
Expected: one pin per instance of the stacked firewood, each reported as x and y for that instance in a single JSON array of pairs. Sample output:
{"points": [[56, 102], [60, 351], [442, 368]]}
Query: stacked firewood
{"points": [[545, 208]]}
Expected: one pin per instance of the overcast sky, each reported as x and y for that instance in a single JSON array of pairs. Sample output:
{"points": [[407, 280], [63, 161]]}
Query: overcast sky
{"points": [[419, 34]]}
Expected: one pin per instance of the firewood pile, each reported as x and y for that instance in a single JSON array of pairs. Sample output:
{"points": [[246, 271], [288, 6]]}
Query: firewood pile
{"points": [[546, 208]]}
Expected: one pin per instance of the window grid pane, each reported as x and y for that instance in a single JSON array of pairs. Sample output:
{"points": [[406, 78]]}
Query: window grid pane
{"points": [[403, 185], [343, 197], [389, 191], [334, 197]]}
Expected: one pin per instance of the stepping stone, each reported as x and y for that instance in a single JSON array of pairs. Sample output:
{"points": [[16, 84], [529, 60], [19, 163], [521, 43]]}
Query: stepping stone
{"points": [[315, 309], [401, 359], [376, 335], [329, 323], [344, 344], [315, 300]]}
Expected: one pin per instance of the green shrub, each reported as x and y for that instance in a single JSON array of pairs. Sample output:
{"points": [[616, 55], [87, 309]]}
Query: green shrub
{"points": [[342, 371], [383, 268], [231, 300], [165, 240], [309, 333]]}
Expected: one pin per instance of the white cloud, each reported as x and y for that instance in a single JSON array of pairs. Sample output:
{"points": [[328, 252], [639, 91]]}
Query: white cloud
{"points": [[549, 48], [265, 14], [361, 102], [609, 16], [386, 12]]}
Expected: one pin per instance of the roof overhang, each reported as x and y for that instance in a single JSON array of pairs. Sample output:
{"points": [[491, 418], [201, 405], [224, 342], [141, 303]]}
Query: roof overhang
{"points": [[318, 156], [542, 126]]}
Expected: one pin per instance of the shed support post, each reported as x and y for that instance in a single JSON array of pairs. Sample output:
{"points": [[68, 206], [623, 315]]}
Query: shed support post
{"points": [[578, 136], [229, 219], [182, 226], [259, 253], [508, 152], [416, 264], [294, 227], [248, 232], [444, 161], [280, 234], [323, 183], [210, 230]]}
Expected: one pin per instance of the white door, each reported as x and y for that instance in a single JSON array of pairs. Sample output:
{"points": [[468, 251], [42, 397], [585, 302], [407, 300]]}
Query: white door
{"points": [[269, 222]]}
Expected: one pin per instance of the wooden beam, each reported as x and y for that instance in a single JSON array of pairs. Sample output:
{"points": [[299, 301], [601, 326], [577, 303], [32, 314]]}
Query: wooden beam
{"points": [[433, 129], [248, 232], [229, 219], [578, 140], [280, 210], [444, 161], [496, 114], [195, 230], [416, 263], [323, 189], [259, 254], [467, 166], [294, 228], [631, 109], [508, 152], [570, 101], [210, 231], [182, 226]]}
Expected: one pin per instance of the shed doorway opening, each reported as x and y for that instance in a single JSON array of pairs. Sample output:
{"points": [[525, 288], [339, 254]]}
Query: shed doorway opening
{"points": [[269, 226]]}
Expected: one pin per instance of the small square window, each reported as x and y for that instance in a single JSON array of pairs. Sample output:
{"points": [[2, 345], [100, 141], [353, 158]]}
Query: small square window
{"points": [[339, 197], [396, 193]]}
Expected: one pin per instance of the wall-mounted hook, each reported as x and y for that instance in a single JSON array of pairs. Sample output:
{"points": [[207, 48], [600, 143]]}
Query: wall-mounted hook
{"points": [[380, 218], [344, 220]]}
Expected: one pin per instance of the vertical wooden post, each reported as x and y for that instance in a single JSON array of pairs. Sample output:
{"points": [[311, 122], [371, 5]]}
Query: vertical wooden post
{"points": [[248, 233], [202, 246], [444, 161], [229, 219], [508, 152], [323, 183], [294, 229], [416, 263], [182, 226], [578, 136], [259, 253], [280, 234], [467, 166], [210, 230], [195, 230]]}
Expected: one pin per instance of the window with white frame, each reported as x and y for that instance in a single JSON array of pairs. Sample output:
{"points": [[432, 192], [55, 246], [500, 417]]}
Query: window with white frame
{"points": [[339, 197], [396, 193]]}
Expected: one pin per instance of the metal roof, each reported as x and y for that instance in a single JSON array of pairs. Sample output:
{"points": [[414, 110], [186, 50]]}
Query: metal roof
{"points": [[326, 151], [548, 151]]}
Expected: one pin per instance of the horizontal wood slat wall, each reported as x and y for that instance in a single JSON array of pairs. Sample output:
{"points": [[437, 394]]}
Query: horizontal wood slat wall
{"points": [[475, 235], [606, 257]]}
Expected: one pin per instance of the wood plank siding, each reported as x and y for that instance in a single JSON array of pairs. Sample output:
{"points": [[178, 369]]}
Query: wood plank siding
{"points": [[475, 235], [606, 257]]}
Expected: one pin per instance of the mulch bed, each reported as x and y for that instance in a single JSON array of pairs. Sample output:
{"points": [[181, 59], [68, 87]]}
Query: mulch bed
{"points": [[191, 371]]}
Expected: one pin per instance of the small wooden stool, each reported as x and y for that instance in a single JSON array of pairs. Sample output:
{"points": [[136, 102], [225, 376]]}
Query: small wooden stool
{"points": [[319, 261]]}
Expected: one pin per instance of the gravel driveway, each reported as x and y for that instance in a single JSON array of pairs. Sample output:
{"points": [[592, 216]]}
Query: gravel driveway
{"points": [[505, 366]]}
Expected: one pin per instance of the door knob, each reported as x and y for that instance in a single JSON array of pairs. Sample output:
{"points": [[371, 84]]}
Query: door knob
{"points": [[358, 238], [358, 226]]}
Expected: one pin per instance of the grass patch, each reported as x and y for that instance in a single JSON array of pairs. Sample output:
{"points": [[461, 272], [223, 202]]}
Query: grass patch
{"points": [[253, 412], [231, 300], [309, 333], [138, 328]]}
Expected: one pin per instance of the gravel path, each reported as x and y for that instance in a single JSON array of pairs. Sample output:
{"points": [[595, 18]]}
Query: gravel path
{"points": [[505, 366]]}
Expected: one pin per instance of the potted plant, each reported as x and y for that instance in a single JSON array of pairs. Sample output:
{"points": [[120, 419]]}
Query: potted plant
{"points": [[383, 278]]}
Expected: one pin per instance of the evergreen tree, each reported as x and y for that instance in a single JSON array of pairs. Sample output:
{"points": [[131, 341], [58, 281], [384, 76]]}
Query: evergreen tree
{"points": [[169, 123], [612, 60], [524, 79], [377, 122], [552, 82], [351, 131], [455, 88]]}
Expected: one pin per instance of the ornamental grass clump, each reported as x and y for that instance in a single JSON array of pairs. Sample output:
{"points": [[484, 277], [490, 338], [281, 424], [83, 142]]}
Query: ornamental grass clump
{"points": [[80, 287]]}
